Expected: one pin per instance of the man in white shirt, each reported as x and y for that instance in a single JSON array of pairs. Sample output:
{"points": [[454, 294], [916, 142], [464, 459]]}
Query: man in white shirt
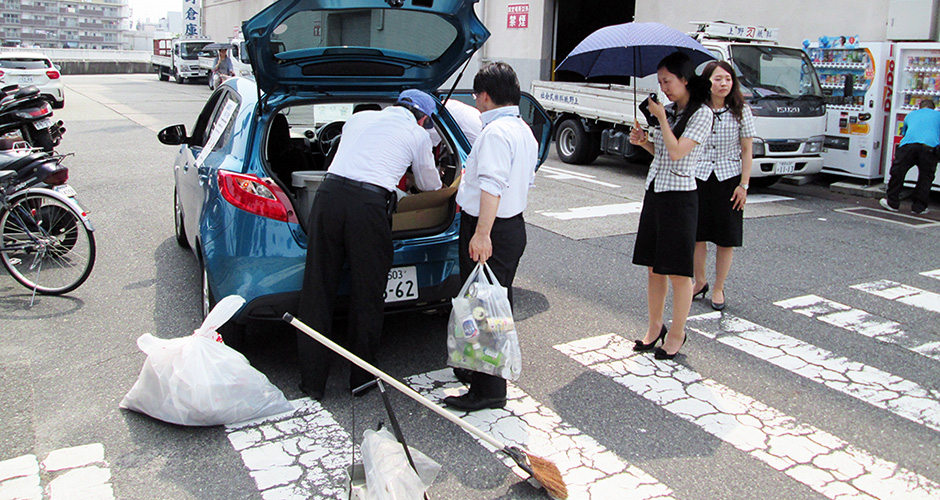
{"points": [[467, 118], [493, 194], [351, 222]]}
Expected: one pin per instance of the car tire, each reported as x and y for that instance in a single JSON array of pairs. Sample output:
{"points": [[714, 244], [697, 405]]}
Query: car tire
{"points": [[233, 334], [765, 182], [58, 104], [180, 230], [574, 144]]}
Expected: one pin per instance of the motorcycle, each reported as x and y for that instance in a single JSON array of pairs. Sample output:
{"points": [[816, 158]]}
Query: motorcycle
{"points": [[24, 113]]}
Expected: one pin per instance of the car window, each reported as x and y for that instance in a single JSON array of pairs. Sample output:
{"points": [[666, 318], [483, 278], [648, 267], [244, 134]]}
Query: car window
{"points": [[25, 63], [200, 133], [224, 119], [386, 30]]}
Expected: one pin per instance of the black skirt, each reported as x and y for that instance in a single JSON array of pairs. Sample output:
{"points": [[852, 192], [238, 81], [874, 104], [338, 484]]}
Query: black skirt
{"points": [[665, 239], [718, 221]]}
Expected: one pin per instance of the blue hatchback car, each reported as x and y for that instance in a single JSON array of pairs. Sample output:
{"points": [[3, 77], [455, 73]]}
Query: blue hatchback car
{"points": [[246, 174]]}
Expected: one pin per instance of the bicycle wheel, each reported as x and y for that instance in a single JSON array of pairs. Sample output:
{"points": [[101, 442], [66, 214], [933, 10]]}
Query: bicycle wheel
{"points": [[45, 246]]}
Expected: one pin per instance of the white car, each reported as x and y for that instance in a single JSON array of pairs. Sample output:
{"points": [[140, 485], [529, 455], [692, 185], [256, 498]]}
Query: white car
{"points": [[33, 68]]}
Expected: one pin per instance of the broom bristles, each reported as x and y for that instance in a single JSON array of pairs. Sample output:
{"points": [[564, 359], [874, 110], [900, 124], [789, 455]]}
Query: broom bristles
{"points": [[548, 475]]}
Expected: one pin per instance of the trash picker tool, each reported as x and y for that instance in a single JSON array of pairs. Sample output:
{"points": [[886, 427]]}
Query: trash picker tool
{"points": [[542, 470]]}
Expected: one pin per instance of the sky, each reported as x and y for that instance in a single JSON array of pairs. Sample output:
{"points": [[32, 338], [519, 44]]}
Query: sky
{"points": [[154, 9]]}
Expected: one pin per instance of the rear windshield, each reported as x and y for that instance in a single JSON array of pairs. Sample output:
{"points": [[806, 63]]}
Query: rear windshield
{"points": [[18, 63], [420, 35]]}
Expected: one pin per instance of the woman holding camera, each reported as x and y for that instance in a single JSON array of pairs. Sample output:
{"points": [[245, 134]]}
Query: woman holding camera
{"points": [[723, 173], [665, 240]]}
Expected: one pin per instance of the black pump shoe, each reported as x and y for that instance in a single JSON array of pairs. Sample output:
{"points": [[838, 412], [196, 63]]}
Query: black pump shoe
{"points": [[701, 292], [661, 353], [639, 346]]}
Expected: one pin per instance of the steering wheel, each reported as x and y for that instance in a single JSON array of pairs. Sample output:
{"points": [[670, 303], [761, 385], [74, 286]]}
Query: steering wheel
{"points": [[327, 133]]}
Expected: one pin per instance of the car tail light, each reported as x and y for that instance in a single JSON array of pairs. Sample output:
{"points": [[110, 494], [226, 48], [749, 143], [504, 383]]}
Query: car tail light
{"points": [[1, 73], [58, 178], [52, 74], [255, 195]]}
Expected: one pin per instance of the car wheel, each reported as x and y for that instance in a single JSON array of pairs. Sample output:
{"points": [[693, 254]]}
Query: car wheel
{"points": [[178, 221], [763, 182], [233, 334], [58, 104], [574, 144]]}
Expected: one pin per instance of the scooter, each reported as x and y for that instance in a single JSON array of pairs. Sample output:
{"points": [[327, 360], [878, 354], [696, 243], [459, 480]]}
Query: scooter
{"points": [[23, 111]]}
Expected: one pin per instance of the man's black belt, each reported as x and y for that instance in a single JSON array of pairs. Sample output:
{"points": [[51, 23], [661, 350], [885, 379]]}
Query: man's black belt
{"points": [[361, 185]]}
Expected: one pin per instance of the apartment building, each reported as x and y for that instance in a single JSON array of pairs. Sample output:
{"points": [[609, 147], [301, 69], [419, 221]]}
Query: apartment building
{"points": [[91, 24]]}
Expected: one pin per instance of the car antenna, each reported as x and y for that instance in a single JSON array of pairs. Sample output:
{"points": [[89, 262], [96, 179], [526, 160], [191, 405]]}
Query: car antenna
{"points": [[456, 81]]}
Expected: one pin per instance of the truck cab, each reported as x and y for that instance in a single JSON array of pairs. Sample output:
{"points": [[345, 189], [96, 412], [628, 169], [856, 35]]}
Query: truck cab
{"points": [[782, 89]]}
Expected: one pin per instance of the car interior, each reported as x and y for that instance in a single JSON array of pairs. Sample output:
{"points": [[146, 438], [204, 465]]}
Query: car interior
{"points": [[299, 146]]}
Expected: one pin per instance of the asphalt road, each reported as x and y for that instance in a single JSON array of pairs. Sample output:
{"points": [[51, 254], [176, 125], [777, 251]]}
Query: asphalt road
{"points": [[819, 379]]}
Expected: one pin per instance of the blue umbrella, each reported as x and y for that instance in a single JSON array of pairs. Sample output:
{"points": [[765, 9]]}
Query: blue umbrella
{"points": [[630, 49]]}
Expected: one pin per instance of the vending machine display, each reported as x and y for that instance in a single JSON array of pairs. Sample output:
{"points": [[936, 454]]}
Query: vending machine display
{"points": [[854, 86], [917, 78]]}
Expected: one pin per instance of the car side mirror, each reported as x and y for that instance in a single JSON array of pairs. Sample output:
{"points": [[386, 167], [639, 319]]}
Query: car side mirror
{"points": [[173, 135]]}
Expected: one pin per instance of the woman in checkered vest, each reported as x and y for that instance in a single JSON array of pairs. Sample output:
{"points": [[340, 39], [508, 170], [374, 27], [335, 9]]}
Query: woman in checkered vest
{"points": [[722, 173], [665, 240]]}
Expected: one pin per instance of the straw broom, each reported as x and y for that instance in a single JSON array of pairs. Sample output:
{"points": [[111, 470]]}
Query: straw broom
{"points": [[542, 470]]}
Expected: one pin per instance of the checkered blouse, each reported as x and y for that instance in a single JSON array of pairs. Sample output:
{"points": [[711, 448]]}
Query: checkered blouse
{"points": [[722, 153], [678, 175]]}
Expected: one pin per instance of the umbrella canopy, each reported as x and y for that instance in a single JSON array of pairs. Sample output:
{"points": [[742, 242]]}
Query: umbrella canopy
{"points": [[218, 45], [630, 49]]}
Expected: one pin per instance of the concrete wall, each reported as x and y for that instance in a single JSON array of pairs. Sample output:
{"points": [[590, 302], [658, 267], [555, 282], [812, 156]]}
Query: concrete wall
{"points": [[92, 62]]}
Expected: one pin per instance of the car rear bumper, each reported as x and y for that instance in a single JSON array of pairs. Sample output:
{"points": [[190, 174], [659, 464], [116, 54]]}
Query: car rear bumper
{"points": [[765, 166]]}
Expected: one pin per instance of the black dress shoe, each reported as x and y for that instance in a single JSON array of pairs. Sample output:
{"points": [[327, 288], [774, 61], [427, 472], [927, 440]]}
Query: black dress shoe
{"points": [[312, 394], [661, 353], [718, 305], [639, 346], [463, 375], [471, 402], [701, 292]]}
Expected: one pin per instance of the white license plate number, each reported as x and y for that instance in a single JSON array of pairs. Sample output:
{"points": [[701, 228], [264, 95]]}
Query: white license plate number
{"points": [[65, 190], [44, 123], [26, 79], [786, 167], [402, 284]]}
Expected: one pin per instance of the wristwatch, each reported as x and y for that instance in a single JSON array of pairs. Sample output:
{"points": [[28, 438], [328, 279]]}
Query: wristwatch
{"points": [[744, 186]]}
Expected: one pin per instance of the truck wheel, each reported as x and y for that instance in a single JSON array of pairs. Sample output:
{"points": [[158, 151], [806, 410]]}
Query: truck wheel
{"points": [[177, 77], [574, 144], [763, 182], [164, 76]]}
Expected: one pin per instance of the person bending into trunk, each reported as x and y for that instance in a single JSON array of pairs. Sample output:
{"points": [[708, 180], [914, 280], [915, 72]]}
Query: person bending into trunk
{"points": [[350, 222], [493, 193]]}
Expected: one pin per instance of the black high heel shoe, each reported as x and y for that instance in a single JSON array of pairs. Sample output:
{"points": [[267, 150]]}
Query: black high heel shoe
{"points": [[661, 353], [701, 292], [639, 346]]}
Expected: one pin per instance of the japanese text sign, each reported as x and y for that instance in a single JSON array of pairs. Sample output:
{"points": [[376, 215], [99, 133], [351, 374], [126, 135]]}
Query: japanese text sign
{"points": [[518, 16]]}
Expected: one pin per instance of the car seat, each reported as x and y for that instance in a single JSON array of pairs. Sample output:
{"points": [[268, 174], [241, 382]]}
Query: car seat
{"points": [[283, 157]]}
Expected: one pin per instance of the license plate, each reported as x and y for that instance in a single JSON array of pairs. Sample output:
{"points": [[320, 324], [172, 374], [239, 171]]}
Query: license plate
{"points": [[786, 167], [402, 284], [26, 79], [44, 123], [65, 190]]}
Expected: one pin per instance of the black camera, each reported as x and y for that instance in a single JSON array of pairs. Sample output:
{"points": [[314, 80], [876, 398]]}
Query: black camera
{"points": [[651, 120]]}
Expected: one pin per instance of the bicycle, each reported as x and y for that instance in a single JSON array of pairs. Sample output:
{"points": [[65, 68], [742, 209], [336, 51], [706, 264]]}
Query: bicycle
{"points": [[47, 243]]}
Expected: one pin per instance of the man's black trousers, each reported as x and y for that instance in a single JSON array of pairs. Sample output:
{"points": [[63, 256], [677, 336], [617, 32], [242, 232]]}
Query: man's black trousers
{"points": [[906, 157], [509, 240], [347, 224]]}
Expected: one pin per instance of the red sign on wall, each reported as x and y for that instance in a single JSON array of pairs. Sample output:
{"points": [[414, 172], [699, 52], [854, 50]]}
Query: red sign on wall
{"points": [[518, 16], [316, 28]]}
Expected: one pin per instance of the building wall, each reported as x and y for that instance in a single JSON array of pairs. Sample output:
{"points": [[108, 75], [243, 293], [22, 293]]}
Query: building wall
{"points": [[60, 23], [223, 18]]}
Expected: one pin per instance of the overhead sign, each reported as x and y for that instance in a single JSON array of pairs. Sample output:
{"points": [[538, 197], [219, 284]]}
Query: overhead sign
{"points": [[192, 14], [518, 16], [738, 31]]}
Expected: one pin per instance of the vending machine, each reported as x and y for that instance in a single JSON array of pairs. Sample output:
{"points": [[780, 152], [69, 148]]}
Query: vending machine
{"points": [[856, 84], [917, 78]]}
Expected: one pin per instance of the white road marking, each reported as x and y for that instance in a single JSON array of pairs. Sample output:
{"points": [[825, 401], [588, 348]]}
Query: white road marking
{"points": [[864, 323], [78, 473], [932, 274], [295, 455], [591, 472], [878, 388], [904, 294], [562, 174], [634, 207], [824, 462]]}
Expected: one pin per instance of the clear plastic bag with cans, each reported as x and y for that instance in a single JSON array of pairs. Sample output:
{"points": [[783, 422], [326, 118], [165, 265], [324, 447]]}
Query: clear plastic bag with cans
{"points": [[481, 334]]}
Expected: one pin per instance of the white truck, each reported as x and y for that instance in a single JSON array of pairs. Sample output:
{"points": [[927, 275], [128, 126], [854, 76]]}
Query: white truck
{"points": [[179, 58], [241, 65], [779, 84]]}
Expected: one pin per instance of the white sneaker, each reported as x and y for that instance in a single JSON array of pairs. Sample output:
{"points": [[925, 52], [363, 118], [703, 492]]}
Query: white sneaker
{"points": [[884, 204], [922, 212]]}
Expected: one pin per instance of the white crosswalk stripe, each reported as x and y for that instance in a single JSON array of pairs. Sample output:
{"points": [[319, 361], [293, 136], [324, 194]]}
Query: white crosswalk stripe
{"points": [[79, 472], [902, 397], [824, 462], [864, 323], [904, 294], [591, 472], [932, 274]]}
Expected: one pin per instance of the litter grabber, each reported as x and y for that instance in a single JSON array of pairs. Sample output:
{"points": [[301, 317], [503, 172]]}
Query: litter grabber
{"points": [[542, 470]]}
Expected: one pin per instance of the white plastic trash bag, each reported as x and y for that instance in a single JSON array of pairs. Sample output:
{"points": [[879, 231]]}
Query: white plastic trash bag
{"points": [[198, 380], [481, 334], [389, 476]]}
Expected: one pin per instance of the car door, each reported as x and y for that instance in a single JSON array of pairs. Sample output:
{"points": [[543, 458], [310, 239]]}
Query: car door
{"points": [[531, 112]]}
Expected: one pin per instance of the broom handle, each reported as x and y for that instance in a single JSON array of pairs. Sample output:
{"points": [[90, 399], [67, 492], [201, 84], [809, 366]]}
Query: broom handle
{"points": [[408, 391]]}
